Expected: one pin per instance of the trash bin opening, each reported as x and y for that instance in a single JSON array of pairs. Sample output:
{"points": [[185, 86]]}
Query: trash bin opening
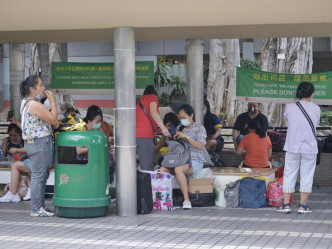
{"points": [[69, 155]]}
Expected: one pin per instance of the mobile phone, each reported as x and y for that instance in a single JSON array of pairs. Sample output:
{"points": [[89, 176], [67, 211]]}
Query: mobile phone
{"points": [[10, 115]]}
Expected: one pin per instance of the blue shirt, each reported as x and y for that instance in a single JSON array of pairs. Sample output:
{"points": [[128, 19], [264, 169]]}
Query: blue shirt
{"points": [[212, 124]]}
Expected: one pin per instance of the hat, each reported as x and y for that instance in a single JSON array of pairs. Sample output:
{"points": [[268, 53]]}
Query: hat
{"points": [[65, 106]]}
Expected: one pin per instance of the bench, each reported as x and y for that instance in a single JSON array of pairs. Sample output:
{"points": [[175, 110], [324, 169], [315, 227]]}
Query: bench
{"points": [[5, 176]]}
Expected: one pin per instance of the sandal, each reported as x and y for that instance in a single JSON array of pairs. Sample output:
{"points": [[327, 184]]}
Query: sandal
{"points": [[284, 208], [305, 210]]}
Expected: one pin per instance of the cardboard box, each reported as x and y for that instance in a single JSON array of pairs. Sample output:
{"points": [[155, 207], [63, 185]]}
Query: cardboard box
{"points": [[200, 185]]}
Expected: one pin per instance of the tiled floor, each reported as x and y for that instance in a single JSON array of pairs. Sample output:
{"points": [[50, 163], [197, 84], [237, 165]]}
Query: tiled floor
{"points": [[212, 227]]}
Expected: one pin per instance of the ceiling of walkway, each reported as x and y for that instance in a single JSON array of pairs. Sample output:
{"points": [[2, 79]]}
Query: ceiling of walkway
{"points": [[95, 20]]}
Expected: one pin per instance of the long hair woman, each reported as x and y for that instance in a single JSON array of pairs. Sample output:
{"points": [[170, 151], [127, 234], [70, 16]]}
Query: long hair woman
{"points": [[37, 136], [256, 146]]}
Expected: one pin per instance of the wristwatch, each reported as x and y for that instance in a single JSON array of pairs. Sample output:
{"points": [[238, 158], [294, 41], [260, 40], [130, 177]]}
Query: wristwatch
{"points": [[188, 137]]}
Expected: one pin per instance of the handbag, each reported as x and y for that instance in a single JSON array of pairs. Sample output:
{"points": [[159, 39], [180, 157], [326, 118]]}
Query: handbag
{"points": [[231, 193], [162, 190], [202, 200], [312, 128], [178, 153], [278, 139], [252, 193]]}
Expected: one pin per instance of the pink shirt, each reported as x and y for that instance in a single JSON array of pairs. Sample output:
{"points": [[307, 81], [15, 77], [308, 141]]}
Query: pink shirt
{"points": [[300, 138]]}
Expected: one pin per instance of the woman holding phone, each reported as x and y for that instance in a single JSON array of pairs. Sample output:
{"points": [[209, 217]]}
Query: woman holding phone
{"points": [[37, 136]]}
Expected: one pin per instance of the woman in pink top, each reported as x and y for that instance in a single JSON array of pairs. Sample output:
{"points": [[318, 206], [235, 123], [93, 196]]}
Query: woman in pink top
{"points": [[301, 148]]}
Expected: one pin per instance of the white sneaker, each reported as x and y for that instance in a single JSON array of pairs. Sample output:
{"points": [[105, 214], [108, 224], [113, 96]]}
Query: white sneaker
{"points": [[186, 205], [27, 196], [42, 213], [9, 197]]}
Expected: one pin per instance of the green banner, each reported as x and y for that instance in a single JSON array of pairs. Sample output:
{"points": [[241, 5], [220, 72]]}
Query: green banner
{"points": [[259, 86], [74, 75]]}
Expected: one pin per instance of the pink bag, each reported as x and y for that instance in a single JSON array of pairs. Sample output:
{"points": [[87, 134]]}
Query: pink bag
{"points": [[162, 195], [274, 194]]}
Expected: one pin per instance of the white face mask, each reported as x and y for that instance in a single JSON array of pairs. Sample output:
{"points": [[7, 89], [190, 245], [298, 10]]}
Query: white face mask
{"points": [[185, 122]]}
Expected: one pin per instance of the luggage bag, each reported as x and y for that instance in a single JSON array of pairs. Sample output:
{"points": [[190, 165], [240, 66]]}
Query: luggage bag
{"points": [[144, 193]]}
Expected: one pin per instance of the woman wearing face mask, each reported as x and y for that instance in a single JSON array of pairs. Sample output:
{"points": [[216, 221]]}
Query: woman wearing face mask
{"points": [[38, 140], [93, 120], [196, 136], [212, 125]]}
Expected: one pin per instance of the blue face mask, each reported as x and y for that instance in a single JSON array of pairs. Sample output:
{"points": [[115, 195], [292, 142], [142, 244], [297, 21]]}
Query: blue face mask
{"points": [[96, 126], [185, 122], [172, 129], [204, 112]]}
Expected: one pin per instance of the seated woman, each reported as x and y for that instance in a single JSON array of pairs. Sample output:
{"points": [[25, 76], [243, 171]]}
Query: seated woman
{"points": [[196, 136], [171, 121], [212, 125], [13, 147], [93, 121], [256, 146]]}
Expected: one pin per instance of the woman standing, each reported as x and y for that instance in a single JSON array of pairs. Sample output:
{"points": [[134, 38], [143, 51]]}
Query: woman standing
{"points": [[196, 136], [301, 148], [37, 136], [147, 121]]}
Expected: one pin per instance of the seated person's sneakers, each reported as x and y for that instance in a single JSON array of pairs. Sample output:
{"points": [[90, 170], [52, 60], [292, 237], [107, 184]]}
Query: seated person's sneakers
{"points": [[42, 213], [186, 205], [304, 209], [10, 197], [27, 196], [284, 208]]}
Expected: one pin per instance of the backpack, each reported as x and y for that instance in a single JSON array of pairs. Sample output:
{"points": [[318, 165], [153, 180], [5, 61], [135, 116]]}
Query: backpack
{"points": [[231, 194], [178, 153], [252, 193]]}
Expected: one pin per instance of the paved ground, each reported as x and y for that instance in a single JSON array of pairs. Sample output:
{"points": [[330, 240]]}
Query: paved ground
{"points": [[213, 227]]}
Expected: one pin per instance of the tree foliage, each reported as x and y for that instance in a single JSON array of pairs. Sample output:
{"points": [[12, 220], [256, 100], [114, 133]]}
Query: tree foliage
{"points": [[246, 63]]}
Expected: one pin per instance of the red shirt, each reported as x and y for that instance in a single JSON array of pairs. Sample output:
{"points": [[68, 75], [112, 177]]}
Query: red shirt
{"points": [[256, 150], [143, 125]]}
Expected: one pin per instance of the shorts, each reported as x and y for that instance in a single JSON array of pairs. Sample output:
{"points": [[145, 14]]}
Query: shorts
{"points": [[196, 166], [27, 163]]}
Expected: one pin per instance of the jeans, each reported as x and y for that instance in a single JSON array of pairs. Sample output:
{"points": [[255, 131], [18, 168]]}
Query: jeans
{"points": [[40, 153]]}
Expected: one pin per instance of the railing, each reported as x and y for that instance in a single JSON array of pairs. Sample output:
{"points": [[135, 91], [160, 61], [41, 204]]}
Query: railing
{"points": [[320, 128], [2, 128]]}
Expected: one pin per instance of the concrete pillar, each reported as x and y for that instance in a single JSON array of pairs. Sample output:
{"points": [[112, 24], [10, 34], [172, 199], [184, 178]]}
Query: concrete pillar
{"points": [[16, 67], [2, 82], [195, 89], [125, 121]]}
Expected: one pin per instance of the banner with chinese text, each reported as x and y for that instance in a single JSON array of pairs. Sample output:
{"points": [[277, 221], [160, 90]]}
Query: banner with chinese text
{"points": [[259, 86], [76, 75]]}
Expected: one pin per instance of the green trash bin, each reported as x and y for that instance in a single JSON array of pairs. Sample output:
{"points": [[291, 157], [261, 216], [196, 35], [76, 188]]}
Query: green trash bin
{"points": [[81, 186]]}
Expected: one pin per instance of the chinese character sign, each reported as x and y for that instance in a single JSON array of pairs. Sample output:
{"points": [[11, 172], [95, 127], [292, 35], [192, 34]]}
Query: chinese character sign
{"points": [[74, 75], [259, 86]]}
